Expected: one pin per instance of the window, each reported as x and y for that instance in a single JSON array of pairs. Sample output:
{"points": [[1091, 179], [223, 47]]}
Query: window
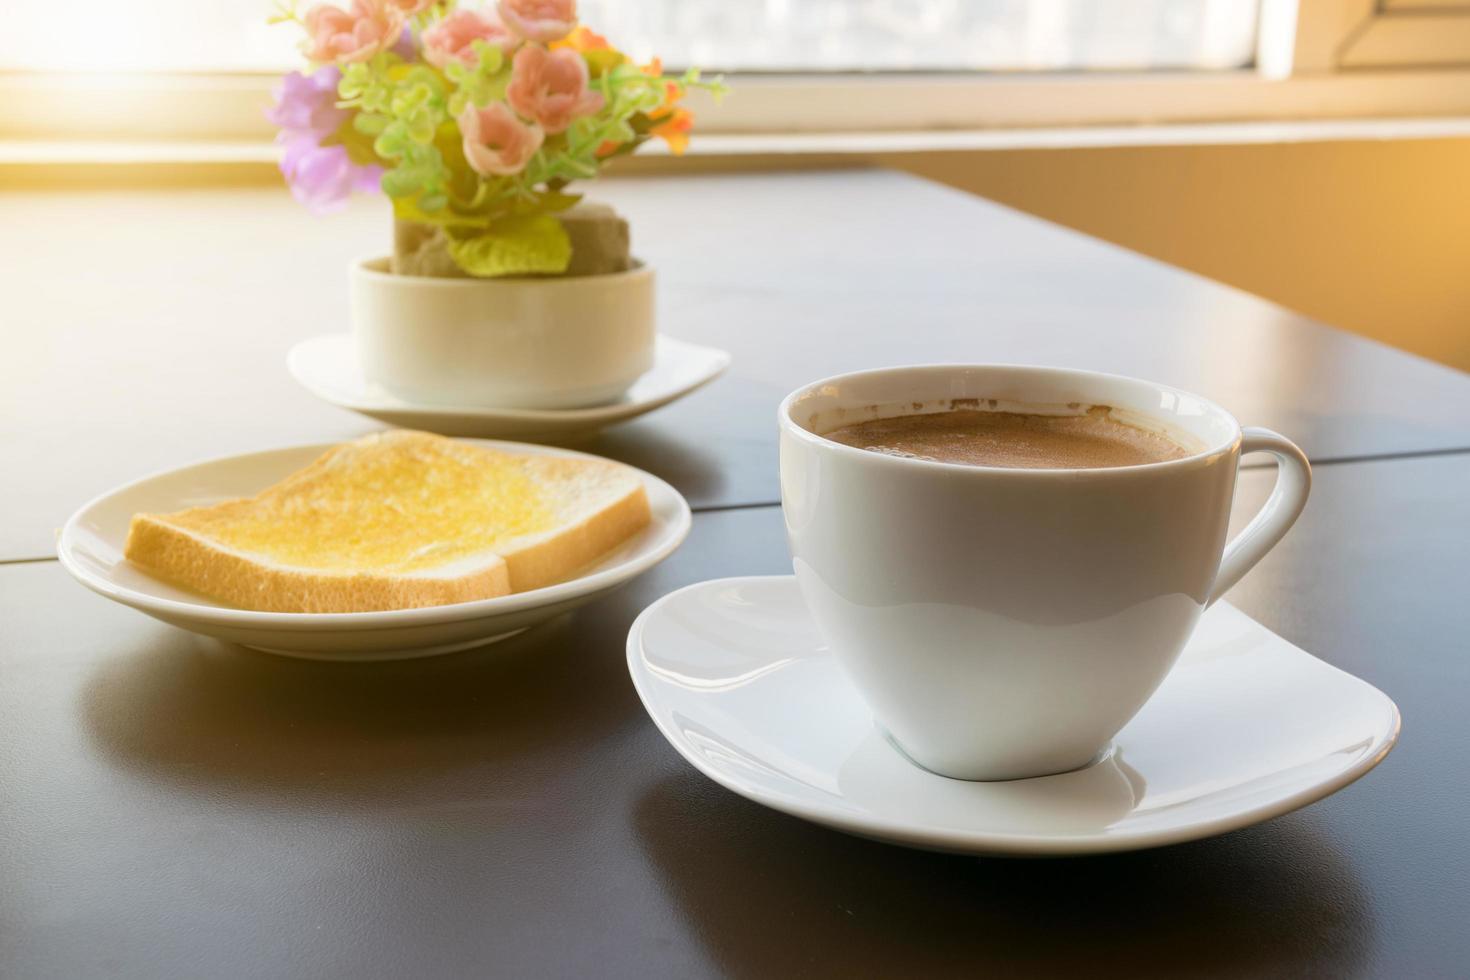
{"points": [[935, 35], [143, 36], [178, 70], [723, 35]]}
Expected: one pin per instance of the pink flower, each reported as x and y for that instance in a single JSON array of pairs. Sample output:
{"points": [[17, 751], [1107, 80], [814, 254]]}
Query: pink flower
{"points": [[453, 38], [551, 87], [496, 143], [539, 20], [351, 35], [410, 7]]}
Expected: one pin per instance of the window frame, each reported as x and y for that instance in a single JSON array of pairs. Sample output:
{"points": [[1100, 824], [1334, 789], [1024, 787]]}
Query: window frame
{"points": [[1403, 33], [1316, 59]]}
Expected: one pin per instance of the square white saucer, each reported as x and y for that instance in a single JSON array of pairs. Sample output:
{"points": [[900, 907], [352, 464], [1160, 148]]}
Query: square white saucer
{"points": [[327, 367], [1246, 727]]}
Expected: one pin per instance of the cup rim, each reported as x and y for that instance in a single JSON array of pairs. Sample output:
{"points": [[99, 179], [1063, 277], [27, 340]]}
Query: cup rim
{"points": [[367, 266], [1203, 457]]}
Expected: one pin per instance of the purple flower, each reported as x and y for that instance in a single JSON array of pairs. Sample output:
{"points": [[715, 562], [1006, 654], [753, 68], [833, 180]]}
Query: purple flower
{"points": [[308, 104], [320, 177], [323, 177], [404, 48]]}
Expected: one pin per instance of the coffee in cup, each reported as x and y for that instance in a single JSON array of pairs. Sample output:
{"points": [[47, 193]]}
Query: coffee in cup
{"points": [[1076, 440]]}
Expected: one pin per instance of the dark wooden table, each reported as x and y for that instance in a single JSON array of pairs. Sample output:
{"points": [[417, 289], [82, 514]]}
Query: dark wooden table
{"points": [[172, 806], [174, 349]]}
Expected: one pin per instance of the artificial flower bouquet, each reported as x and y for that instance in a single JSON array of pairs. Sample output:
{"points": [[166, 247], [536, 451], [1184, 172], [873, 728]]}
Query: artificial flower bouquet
{"points": [[472, 121]]}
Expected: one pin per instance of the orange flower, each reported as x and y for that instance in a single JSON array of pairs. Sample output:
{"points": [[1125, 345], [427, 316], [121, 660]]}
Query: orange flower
{"points": [[583, 39], [600, 56], [674, 123], [675, 129], [673, 92]]}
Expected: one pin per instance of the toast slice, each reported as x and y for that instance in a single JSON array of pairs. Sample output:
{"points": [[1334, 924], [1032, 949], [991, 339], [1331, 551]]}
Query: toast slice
{"points": [[397, 520]]}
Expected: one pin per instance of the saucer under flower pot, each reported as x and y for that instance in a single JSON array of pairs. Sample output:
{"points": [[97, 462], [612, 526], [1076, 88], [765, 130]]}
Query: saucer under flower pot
{"points": [[532, 342]]}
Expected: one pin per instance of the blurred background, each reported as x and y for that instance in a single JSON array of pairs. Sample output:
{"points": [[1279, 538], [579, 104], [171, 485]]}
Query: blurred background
{"points": [[1311, 151], [724, 35]]}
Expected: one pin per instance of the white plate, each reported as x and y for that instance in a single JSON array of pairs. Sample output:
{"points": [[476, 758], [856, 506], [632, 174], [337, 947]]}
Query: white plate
{"points": [[91, 548], [1246, 727], [327, 367]]}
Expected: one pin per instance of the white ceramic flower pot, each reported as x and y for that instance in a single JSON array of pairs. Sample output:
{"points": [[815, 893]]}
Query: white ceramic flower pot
{"points": [[503, 343]]}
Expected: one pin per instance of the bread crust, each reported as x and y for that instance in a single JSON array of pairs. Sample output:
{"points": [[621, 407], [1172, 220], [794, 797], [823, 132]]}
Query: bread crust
{"points": [[179, 556], [544, 562]]}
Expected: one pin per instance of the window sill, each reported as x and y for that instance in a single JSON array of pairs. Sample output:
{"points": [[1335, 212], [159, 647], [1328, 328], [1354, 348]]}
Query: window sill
{"points": [[230, 108], [63, 162]]}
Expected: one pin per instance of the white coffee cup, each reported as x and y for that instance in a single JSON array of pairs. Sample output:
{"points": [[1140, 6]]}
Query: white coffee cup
{"points": [[1004, 623]]}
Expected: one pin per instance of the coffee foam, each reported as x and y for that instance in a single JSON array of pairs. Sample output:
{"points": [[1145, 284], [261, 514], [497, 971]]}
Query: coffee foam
{"points": [[1089, 437], [825, 420]]}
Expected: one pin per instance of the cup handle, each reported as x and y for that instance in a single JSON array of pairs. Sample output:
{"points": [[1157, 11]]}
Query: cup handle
{"points": [[1282, 508]]}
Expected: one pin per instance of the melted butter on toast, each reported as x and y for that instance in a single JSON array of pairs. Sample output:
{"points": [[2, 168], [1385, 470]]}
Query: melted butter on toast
{"points": [[411, 506]]}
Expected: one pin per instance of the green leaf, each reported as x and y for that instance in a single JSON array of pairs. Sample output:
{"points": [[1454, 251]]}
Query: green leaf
{"points": [[421, 128], [370, 123], [535, 243], [357, 140], [601, 61], [556, 201], [399, 183], [390, 142], [481, 84], [490, 57]]}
